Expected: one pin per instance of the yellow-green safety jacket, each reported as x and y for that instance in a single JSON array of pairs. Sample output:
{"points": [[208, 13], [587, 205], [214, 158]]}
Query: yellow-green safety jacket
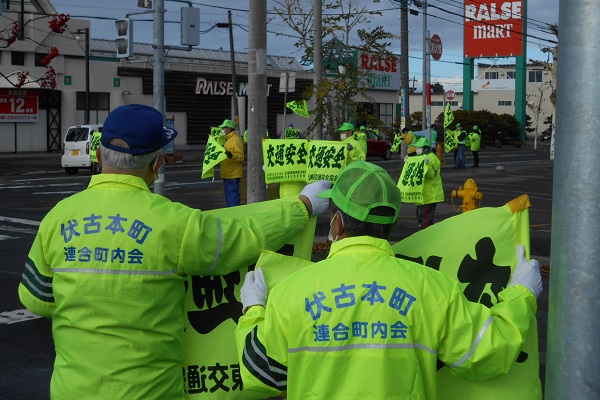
{"points": [[233, 167], [363, 324], [361, 137], [108, 265], [433, 189], [357, 153], [475, 138]]}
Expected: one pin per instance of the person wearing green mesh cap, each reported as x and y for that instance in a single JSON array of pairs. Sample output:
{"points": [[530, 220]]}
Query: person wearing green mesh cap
{"points": [[364, 324], [355, 150]]}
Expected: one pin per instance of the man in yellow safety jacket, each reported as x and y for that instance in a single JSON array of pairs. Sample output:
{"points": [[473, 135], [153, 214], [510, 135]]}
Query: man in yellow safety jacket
{"points": [[475, 139], [355, 150], [232, 168], [361, 137], [109, 264], [363, 324]]}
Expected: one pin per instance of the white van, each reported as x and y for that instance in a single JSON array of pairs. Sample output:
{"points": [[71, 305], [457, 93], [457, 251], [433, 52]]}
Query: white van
{"points": [[76, 148]]}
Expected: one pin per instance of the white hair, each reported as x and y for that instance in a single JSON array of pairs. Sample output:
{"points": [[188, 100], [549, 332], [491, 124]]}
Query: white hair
{"points": [[124, 161]]}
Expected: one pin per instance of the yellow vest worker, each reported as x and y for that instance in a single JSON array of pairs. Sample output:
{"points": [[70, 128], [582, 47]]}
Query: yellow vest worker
{"points": [[108, 265], [363, 324], [355, 150]]}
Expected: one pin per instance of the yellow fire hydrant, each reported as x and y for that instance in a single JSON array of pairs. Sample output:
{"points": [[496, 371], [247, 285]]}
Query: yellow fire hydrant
{"points": [[470, 194]]}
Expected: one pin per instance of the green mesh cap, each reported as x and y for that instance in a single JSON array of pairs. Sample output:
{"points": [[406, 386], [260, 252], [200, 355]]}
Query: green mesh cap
{"points": [[362, 186]]}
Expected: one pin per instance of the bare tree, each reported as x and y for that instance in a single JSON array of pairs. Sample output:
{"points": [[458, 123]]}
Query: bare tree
{"points": [[344, 81]]}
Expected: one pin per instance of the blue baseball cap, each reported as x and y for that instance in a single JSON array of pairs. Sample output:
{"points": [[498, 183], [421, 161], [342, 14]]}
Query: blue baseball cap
{"points": [[140, 126]]}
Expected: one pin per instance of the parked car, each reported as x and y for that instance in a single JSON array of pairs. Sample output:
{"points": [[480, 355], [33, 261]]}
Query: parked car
{"points": [[76, 148], [546, 135], [377, 146]]}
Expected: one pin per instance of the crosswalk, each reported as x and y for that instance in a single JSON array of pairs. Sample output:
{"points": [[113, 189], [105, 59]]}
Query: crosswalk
{"points": [[15, 228]]}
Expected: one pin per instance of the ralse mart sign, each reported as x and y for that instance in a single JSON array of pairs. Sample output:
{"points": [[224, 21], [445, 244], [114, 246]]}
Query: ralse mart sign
{"points": [[492, 28], [384, 73]]}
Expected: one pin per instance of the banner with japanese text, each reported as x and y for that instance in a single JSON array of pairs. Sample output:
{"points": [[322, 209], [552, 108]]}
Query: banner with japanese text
{"points": [[291, 133], [285, 160], [450, 143], [299, 107], [411, 179], [478, 249], [212, 309], [397, 142], [448, 115], [215, 132], [326, 159], [213, 154]]}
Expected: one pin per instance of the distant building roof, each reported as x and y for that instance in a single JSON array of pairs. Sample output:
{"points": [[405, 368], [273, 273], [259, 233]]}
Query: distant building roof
{"points": [[108, 48]]}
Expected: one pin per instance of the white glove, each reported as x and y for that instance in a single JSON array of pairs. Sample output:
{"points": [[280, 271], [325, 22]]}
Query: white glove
{"points": [[527, 273], [254, 290], [426, 160], [319, 206]]}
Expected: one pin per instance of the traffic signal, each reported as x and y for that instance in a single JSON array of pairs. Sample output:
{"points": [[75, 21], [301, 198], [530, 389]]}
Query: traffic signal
{"points": [[124, 38]]}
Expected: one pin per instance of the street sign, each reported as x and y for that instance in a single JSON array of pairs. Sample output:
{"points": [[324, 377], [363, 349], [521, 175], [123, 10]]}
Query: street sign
{"points": [[436, 47], [287, 82], [450, 95], [18, 105]]}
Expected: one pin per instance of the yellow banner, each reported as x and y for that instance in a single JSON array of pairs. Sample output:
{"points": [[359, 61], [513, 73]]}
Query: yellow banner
{"points": [[212, 309], [412, 178], [299, 107], [479, 257], [326, 159], [213, 154], [291, 133], [448, 115], [397, 142], [215, 132], [285, 160], [450, 143], [94, 144]]}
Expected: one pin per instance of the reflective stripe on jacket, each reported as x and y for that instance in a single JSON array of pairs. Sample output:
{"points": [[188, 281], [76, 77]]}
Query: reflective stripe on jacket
{"points": [[108, 266], [363, 324]]}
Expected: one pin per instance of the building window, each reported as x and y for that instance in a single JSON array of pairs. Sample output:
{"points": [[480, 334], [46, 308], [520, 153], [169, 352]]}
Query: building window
{"points": [[491, 75], [17, 58], [437, 103], [510, 75], [39, 57], [386, 113], [504, 103], [535, 76], [99, 105]]}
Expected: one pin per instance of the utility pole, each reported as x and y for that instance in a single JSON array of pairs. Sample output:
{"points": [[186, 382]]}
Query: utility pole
{"points": [[572, 361], [426, 98], [257, 99], [158, 77], [318, 54], [404, 84], [233, 74]]}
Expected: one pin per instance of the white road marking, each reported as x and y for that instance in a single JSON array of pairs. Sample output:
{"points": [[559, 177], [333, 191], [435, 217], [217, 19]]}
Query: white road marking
{"points": [[7, 228], [4, 237], [63, 192], [12, 317], [20, 221]]}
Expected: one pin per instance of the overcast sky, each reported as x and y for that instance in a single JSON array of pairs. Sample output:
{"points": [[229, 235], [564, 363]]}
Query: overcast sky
{"points": [[444, 19]]}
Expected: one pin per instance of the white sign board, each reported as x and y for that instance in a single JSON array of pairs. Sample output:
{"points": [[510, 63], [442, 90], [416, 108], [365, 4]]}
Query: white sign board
{"points": [[290, 77], [492, 84]]}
